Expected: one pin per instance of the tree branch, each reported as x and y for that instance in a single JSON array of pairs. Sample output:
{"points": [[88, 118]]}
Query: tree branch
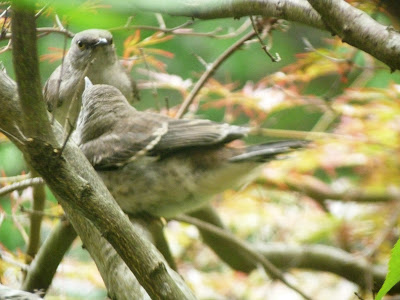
{"points": [[25, 58], [245, 249], [85, 193], [44, 266], [313, 257], [291, 10], [23, 184], [358, 29], [210, 71], [39, 200], [326, 259]]}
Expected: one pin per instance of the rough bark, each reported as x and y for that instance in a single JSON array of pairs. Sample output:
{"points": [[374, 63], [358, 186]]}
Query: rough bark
{"points": [[84, 193]]}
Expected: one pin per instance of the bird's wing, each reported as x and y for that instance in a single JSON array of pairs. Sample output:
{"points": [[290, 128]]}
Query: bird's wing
{"points": [[50, 90], [198, 133], [155, 135]]}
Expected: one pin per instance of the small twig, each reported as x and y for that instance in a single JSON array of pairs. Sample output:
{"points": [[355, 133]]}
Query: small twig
{"points": [[23, 184], [40, 12], [128, 21], [3, 32], [12, 261], [160, 20], [263, 46], [201, 60], [41, 213], [176, 30], [63, 31], [14, 204], [71, 129], [207, 74], [273, 271], [9, 134], [325, 121], [5, 12], [6, 47], [43, 31], [13, 179], [310, 48], [58, 21]]}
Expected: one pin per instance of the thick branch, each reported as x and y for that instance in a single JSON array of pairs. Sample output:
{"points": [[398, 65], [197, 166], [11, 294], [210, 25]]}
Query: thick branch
{"points": [[84, 191], [291, 10], [326, 259], [27, 73], [359, 30], [44, 266], [39, 200], [246, 250], [222, 247], [313, 257]]}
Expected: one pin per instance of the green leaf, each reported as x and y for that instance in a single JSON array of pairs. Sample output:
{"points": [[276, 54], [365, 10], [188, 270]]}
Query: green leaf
{"points": [[393, 275]]}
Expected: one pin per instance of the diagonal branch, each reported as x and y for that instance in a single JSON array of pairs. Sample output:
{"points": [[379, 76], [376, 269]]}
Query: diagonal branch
{"points": [[358, 29], [85, 193], [241, 246], [210, 70]]}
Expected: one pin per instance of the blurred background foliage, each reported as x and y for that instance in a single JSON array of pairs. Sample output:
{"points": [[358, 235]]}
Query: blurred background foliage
{"points": [[340, 192]]}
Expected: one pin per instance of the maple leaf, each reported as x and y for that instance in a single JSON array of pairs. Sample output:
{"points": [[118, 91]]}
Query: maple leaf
{"points": [[55, 54], [137, 51]]}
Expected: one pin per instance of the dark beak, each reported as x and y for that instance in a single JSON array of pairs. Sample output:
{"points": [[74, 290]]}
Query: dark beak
{"points": [[100, 42]]}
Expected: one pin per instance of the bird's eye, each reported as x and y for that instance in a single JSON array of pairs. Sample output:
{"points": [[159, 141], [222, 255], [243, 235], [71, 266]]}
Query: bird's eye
{"points": [[81, 45], [111, 41]]}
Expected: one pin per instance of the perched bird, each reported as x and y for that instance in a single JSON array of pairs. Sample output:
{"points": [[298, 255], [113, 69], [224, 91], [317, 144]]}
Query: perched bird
{"points": [[162, 166], [92, 54]]}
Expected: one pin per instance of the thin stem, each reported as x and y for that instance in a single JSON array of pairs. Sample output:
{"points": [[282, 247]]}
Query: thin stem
{"points": [[21, 185], [207, 74], [273, 271]]}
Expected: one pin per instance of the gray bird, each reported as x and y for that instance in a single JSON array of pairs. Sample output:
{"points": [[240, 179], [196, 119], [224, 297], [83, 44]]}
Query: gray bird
{"points": [[92, 49], [162, 166]]}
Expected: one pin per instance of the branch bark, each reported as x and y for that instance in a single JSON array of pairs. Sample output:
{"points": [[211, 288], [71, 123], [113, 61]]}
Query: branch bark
{"points": [[326, 259], [291, 10], [358, 29], [44, 266], [85, 193]]}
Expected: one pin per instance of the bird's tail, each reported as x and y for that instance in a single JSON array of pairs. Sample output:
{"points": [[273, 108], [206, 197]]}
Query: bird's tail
{"points": [[268, 151]]}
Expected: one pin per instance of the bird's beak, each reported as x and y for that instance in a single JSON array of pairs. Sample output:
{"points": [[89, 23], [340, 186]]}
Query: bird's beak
{"points": [[101, 41]]}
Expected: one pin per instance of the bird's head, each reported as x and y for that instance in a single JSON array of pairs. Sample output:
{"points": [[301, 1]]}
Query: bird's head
{"points": [[92, 44]]}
